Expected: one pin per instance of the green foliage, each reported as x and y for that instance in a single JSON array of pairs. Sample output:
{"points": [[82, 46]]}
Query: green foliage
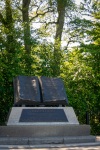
{"points": [[45, 55], [81, 72], [82, 86]]}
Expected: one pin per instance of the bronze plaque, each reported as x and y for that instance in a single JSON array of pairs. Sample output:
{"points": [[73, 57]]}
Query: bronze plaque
{"points": [[43, 115]]}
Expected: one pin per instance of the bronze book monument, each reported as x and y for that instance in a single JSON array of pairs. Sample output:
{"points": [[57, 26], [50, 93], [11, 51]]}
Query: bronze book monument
{"points": [[34, 91]]}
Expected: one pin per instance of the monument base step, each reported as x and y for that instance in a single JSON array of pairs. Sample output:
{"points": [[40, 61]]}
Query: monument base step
{"points": [[46, 140], [56, 130]]}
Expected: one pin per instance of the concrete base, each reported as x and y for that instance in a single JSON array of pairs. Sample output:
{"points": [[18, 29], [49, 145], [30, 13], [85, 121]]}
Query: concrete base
{"points": [[35, 133], [46, 140], [45, 131]]}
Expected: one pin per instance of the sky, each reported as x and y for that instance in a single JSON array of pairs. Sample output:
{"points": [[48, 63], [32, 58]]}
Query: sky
{"points": [[78, 1]]}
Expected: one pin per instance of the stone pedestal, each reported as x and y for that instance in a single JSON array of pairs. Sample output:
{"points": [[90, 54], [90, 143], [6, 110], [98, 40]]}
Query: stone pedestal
{"points": [[21, 129], [42, 116]]}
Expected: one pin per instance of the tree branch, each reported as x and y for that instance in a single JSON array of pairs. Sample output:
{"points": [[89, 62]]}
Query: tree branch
{"points": [[39, 14]]}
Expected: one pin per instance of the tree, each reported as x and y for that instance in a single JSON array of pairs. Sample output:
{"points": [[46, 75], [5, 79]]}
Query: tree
{"points": [[7, 22], [26, 25], [62, 9], [81, 70], [93, 49], [59, 29]]}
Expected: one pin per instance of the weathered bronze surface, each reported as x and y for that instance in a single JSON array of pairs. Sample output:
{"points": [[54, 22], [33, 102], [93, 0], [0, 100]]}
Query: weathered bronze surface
{"points": [[53, 91], [31, 91], [26, 90], [43, 115]]}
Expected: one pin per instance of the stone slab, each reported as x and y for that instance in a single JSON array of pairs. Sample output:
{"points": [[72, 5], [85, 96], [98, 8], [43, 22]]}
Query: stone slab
{"points": [[44, 131], [53, 91], [15, 114]]}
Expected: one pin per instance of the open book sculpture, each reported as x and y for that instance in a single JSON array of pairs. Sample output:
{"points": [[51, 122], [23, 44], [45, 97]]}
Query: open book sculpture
{"points": [[43, 91]]}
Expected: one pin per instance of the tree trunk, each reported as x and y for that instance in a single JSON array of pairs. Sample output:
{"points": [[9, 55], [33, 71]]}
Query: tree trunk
{"points": [[26, 25], [10, 46], [59, 29], [27, 35]]}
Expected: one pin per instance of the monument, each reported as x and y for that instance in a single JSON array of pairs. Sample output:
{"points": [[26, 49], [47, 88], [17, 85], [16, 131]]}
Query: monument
{"points": [[40, 100], [31, 91], [41, 114]]}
